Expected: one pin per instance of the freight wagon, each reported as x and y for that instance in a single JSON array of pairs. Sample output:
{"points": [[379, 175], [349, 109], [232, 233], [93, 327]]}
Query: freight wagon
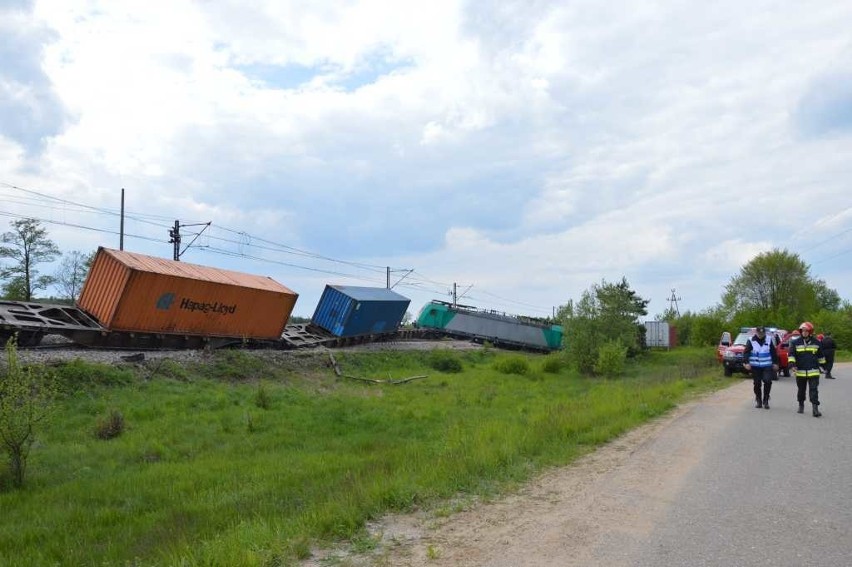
{"points": [[132, 292], [499, 329], [136, 301], [346, 310]]}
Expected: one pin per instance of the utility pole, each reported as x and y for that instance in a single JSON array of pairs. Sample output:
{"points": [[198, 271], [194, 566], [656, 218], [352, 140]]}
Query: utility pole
{"points": [[454, 294], [121, 231], [673, 303], [174, 238], [407, 273]]}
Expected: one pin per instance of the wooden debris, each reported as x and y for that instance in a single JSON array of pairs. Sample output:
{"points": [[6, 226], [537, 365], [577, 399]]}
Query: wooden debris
{"points": [[340, 374], [373, 381], [334, 364]]}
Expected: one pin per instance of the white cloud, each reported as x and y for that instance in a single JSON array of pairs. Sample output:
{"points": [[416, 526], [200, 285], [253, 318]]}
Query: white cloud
{"points": [[529, 148]]}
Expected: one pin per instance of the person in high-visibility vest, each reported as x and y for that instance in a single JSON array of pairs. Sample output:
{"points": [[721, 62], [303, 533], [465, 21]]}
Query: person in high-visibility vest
{"points": [[806, 358], [761, 360]]}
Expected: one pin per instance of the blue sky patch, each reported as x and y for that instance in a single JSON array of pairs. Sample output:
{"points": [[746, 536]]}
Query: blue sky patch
{"points": [[285, 77], [826, 108], [375, 66]]}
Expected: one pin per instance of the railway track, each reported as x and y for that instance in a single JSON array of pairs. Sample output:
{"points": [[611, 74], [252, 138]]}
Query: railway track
{"points": [[32, 322]]}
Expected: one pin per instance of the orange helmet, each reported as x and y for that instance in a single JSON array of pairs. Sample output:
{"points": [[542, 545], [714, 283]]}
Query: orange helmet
{"points": [[807, 326]]}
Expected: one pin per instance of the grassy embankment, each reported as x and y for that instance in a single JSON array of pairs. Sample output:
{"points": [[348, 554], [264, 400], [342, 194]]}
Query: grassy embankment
{"points": [[250, 460]]}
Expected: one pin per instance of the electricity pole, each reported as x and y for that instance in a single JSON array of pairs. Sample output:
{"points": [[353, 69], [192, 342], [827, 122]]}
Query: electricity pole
{"points": [[673, 303], [174, 237], [121, 232], [407, 272]]}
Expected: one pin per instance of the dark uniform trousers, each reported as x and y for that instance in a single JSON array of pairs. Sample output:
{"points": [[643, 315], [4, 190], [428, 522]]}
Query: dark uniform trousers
{"points": [[762, 377], [812, 384], [829, 361]]}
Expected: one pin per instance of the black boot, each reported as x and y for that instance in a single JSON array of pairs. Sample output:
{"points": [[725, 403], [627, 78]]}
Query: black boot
{"points": [[816, 411], [801, 407], [758, 404], [829, 376], [766, 403]]}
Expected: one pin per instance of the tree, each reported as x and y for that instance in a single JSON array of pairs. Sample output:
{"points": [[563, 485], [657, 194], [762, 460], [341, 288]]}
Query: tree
{"points": [[707, 328], [14, 288], [27, 245], [72, 272], [776, 288], [26, 398], [607, 314], [827, 298]]}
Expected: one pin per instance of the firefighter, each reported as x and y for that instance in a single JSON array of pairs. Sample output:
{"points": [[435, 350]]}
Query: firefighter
{"points": [[806, 359], [762, 361]]}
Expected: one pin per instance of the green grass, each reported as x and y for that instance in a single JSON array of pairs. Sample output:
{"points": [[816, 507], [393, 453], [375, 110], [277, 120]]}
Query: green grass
{"points": [[203, 473]]}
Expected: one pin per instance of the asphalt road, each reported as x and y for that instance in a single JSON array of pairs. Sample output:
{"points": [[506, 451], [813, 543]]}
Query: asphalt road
{"points": [[772, 487]]}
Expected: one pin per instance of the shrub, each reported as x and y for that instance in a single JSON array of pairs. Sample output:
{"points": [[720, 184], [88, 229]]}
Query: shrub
{"points": [[552, 364], [513, 365], [611, 358], [111, 426], [444, 361], [27, 395]]}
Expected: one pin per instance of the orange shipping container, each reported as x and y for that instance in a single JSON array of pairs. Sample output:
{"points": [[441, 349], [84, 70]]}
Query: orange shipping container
{"points": [[133, 292]]}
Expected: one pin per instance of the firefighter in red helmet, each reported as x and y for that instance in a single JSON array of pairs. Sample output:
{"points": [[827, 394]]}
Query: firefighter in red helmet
{"points": [[806, 359]]}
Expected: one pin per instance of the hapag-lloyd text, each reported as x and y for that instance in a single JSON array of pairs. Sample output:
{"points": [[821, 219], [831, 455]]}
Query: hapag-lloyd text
{"points": [[216, 307]]}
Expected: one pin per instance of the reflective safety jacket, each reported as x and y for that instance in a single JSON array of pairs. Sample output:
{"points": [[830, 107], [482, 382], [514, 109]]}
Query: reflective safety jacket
{"points": [[760, 353], [807, 356]]}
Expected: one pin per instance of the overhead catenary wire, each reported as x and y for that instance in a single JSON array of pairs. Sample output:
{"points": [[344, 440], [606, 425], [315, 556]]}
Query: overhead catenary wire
{"points": [[80, 226], [416, 281]]}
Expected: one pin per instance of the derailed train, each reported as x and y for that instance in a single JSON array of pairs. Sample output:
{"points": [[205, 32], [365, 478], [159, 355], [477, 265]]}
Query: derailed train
{"points": [[499, 329], [136, 301]]}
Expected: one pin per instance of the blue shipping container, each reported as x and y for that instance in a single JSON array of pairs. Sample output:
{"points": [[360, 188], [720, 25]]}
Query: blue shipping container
{"points": [[346, 311]]}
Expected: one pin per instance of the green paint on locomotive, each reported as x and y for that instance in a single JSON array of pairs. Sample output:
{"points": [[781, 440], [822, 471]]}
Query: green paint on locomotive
{"points": [[435, 316], [553, 336]]}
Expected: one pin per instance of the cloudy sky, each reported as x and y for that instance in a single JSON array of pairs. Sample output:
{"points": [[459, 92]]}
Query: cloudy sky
{"points": [[523, 150]]}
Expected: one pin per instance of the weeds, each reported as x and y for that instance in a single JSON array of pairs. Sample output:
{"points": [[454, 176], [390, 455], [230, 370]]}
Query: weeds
{"points": [[516, 364], [552, 364], [262, 398], [445, 361], [110, 426]]}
